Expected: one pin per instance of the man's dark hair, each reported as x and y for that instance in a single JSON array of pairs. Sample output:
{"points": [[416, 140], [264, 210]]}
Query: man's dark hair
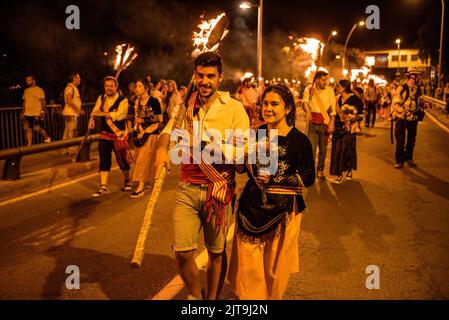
{"points": [[209, 59], [321, 73], [73, 75], [110, 78], [32, 76]]}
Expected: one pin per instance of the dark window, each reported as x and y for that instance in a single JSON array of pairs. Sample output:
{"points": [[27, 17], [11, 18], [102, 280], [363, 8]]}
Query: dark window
{"points": [[404, 57], [394, 58], [415, 57]]}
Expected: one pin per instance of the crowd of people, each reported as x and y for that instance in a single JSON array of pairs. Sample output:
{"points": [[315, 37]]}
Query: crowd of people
{"points": [[137, 129]]}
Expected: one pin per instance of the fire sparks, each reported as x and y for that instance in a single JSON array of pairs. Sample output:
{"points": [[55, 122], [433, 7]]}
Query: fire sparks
{"points": [[124, 57], [203, 40]]}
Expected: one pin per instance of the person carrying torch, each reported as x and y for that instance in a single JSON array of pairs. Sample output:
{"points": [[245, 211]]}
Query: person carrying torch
{"points": [[112, 109], [319, 104], [206, 190]]}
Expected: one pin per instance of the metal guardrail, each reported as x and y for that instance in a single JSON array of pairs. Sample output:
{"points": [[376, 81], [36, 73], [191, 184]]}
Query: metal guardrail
{"points": [[11, 126], [11, 169], [442, 106]]}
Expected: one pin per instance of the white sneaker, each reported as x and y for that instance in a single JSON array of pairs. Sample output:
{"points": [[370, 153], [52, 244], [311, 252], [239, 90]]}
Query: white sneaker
{"points": [[47, 140], [339, 180]]}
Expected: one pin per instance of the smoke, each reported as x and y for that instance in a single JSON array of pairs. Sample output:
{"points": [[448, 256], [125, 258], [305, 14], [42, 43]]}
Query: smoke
{"points": [[161, 32]]}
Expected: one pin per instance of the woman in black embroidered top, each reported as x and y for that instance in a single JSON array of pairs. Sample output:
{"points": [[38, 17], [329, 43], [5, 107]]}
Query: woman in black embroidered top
{"points": [[265, 248], [148, 117]]}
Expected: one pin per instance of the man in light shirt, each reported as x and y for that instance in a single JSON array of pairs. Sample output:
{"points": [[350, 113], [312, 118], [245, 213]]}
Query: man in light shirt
{"points": [[198, 206], [33, 110], [320, 115], [112, 109], [72, 109]]}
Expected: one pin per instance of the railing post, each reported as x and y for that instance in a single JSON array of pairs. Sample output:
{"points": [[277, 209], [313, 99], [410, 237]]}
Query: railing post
{"points": [[11, 169]]}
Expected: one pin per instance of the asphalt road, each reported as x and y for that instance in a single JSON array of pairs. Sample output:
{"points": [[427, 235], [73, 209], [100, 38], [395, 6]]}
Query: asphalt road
{"points": [[397, 220]]}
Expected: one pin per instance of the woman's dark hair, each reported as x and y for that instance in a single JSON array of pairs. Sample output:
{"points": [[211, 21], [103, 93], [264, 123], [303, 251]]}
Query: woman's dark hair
{"points": [[286, 95], [145, 83], [346, 84]]}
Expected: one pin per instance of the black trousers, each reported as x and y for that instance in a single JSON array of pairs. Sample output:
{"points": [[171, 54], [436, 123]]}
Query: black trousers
{"points": [[405, 132], [105, 149], [370, 114]]}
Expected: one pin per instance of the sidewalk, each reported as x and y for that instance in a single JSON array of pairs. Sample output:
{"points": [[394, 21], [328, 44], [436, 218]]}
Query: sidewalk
{"points": [[40, 171]]}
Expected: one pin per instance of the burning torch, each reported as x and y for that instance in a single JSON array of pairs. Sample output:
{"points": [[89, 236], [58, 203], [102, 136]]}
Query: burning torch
{"points": [[209, 38]]}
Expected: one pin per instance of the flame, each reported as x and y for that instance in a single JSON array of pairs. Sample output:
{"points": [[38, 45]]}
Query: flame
{"points": [[310, 70], [201, 38], [124, 60], [355, 73], [370, 61], [311, 46]]}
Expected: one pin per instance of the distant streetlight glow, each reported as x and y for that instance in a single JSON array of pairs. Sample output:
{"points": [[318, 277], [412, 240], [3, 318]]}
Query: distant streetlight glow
{"points": [[398, 42], [245, 5]]}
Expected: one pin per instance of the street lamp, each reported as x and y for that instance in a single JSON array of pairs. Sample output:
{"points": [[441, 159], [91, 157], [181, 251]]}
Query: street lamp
{"points": [[332, 34], [398, 42], [359, 24], [248, 5], [440, 57]]}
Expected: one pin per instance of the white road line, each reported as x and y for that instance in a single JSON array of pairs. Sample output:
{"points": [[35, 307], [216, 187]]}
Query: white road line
{"points": [[52, 188], [176, 284], [437, 122]]}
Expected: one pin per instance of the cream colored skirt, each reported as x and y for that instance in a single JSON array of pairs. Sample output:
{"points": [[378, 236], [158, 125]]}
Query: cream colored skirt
{"points": [[261, 271]]}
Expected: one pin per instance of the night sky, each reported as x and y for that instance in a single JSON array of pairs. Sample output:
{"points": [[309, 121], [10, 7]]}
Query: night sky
{"points": [[34, 37]]}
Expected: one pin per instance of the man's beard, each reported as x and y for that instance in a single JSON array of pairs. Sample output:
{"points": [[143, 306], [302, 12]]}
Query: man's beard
{"points": [[212, 91]]}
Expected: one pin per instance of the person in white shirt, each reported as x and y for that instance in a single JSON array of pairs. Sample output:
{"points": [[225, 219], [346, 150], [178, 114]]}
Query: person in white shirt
{"points": [[320, 115], [33, 110], [203, 201], [72, 109], [112, 110]]}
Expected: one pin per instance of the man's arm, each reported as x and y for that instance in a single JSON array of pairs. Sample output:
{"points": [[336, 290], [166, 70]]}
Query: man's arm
{"points": [[333, 112]]}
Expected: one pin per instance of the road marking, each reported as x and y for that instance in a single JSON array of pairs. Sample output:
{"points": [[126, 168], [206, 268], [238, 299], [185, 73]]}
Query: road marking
{"points": [[437, 122], [176, 284], [48, 189]]}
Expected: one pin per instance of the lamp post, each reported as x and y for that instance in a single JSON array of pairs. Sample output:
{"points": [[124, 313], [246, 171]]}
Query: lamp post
{"points": [[332, 34], [361, 24], [440, 56], [398, 42], [248, 5]]}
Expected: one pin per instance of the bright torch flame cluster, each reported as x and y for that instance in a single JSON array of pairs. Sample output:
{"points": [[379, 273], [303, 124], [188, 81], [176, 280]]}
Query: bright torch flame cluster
{"points": [[311, 46], [124, 57], [201, 38]]}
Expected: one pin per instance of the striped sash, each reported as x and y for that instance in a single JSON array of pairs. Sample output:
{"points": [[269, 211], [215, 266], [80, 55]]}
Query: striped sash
{"points": [[222, 184]]}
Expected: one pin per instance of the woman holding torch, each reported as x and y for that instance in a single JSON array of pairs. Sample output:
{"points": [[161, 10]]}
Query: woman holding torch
{"points": [[265, 248]]}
